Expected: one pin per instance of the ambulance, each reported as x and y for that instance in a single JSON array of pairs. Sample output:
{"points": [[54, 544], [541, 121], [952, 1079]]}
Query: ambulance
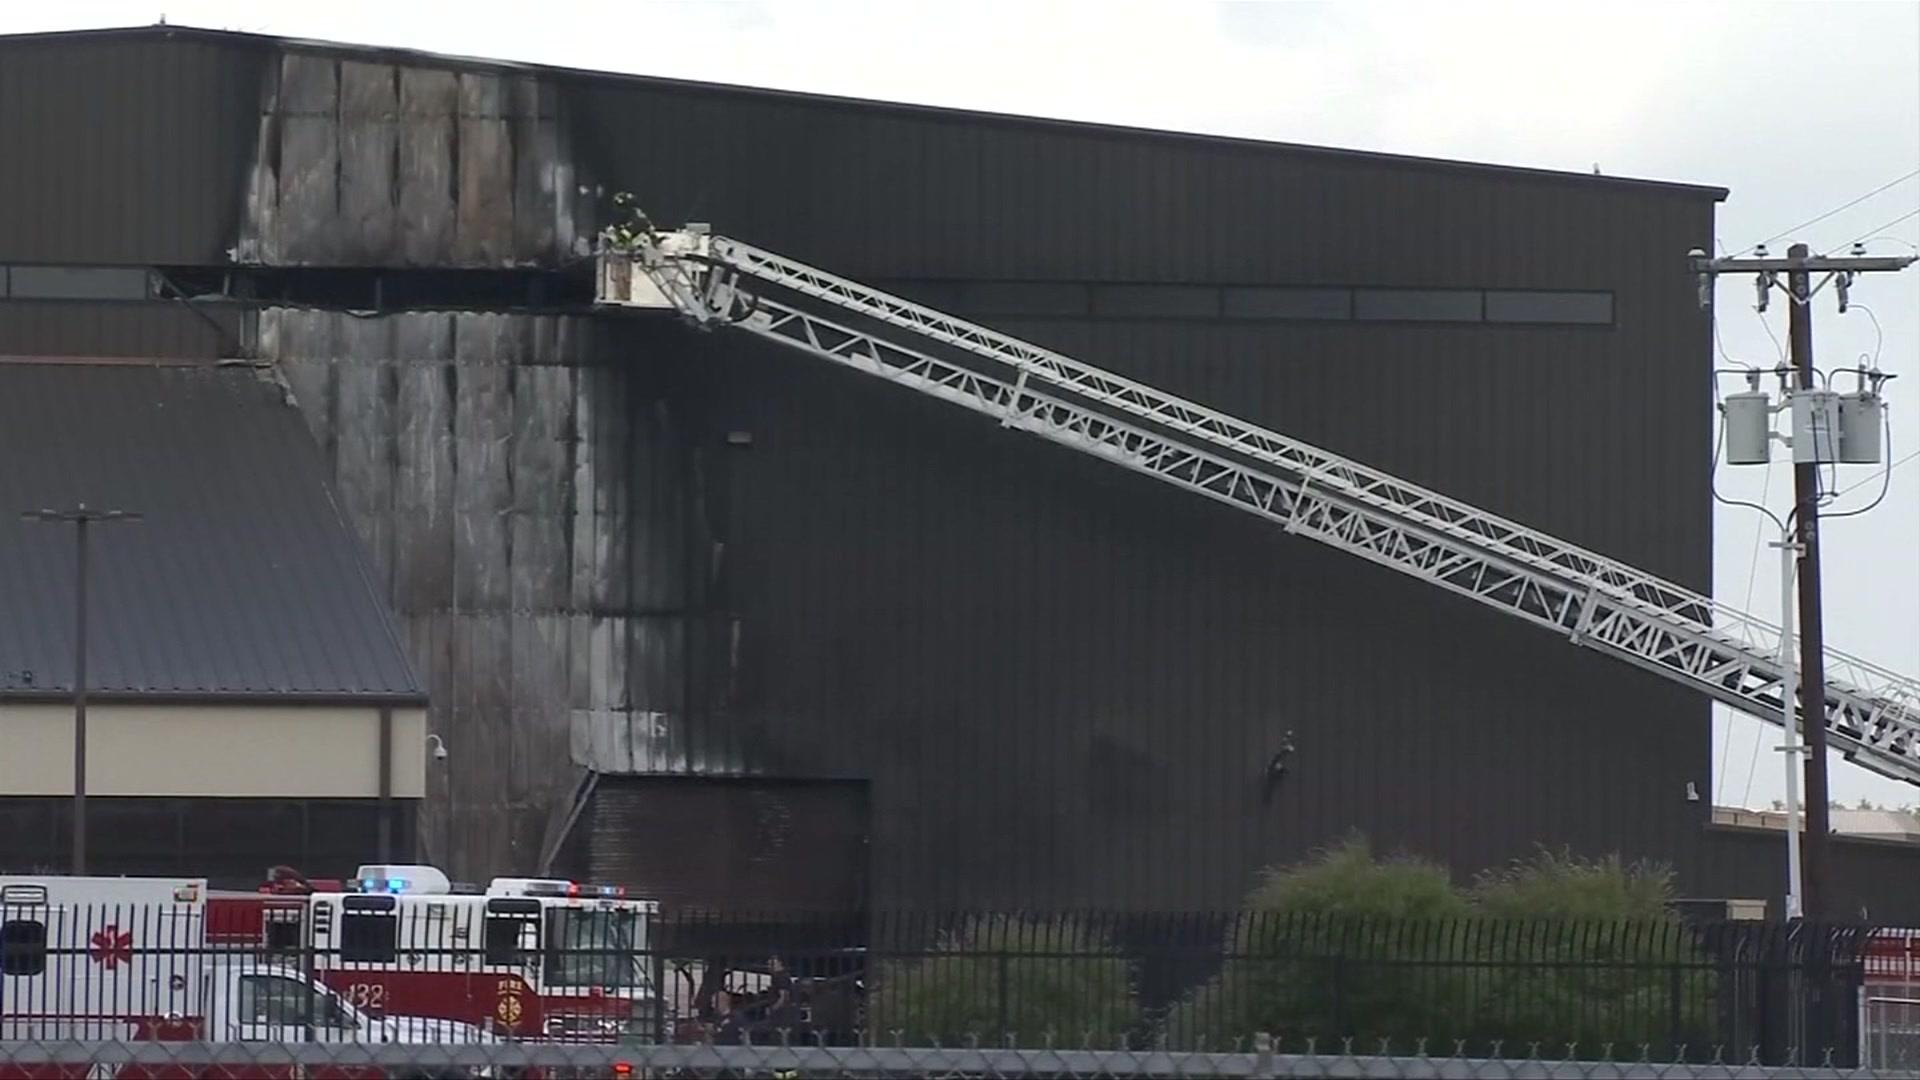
{"points": [[129, 959]]}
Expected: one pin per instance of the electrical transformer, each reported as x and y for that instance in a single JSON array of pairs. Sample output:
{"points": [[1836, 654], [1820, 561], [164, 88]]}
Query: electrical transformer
{"points": [[1860, 420], [1749, 427]]}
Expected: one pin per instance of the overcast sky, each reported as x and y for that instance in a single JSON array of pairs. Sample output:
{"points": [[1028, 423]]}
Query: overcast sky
{"points": [[1796, 107]]}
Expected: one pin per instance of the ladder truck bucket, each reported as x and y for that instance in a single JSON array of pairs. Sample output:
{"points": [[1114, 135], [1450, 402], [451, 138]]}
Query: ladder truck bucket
{"points": [[646, 270]]}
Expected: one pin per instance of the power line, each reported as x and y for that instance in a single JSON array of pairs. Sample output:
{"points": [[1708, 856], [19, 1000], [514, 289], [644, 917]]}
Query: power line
{"points": [[1784, 233], [1870, 479], [1915, 212]]}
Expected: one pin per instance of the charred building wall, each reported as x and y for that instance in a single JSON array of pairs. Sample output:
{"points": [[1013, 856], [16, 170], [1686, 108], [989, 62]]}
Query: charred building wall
{"points": [[825, 643]]}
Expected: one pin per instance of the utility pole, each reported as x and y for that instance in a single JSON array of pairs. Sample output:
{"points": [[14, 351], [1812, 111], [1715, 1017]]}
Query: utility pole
{"points": [[80, 517], [1813, 665], [1800, 265]]}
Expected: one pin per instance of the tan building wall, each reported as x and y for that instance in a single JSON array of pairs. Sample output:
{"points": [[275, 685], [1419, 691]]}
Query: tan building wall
{"points": [[212, 750]]}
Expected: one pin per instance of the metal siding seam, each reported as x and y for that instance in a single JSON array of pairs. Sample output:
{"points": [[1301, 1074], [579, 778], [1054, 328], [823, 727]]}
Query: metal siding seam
{"points": [[158, 132], [14, 104]]}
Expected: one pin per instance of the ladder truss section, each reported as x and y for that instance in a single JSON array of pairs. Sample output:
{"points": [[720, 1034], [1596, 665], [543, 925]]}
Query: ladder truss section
{"points": [[1873, 714]]}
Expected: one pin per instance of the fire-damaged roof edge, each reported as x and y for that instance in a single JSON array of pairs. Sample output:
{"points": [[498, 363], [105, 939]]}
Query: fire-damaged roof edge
{"points": [[394, 54]]}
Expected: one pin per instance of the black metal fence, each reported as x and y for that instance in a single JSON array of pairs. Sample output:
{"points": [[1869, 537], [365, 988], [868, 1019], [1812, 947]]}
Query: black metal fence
{"points": [[1663, 991]]}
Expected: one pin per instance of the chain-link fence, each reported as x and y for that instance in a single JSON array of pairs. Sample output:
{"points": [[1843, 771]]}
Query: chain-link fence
{"points": [[1890, 1033], [499, 1060]]}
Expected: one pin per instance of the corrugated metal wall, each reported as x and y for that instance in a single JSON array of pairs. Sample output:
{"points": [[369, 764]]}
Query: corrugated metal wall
{"points": [[1063, 683], [1067, 682], [523, 502], [1873, 880], [1526, 420], [124, 149], [363, 163], [133, 328]]}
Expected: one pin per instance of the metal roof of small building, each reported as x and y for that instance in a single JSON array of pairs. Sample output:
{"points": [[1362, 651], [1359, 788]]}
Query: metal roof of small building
{"points": [[243, 579]]}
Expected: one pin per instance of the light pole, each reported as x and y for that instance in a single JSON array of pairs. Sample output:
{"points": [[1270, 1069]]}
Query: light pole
{"points": [[81, 517], [1789, 553]]}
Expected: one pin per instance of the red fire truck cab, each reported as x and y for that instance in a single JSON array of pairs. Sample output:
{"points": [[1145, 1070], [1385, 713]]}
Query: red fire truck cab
{"points": [[529, 958]]}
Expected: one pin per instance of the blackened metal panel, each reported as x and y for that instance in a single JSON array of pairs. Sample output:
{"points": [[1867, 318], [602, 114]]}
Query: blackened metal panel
{"points": [[362, 161], [526, 479], [133, 329], [745, 846], [1023, 648], [128, 150], [1016, 644]]}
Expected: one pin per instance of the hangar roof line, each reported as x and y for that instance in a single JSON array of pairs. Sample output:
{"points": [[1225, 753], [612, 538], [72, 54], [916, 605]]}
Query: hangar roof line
{"points": [[244, 580], [393, 54]]}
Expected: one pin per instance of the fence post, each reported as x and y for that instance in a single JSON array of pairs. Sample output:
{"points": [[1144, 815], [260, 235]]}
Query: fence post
{"points": [[313, 980], [1336, 1023], [1673, 1007], [1263, 1063], [659, 964], [1817, 996], [1002, 965]]}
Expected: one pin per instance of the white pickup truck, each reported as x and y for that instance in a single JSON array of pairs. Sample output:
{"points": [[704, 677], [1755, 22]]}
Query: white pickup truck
{"points": [[270, 1003], [197, 1000]]}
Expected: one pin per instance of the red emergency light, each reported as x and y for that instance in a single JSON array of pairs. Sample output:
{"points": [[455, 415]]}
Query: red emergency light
{"points": [[605, 892]]}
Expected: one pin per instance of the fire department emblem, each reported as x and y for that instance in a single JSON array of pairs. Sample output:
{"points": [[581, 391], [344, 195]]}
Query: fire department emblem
{"points": [[110, 947], [509, 1009]]}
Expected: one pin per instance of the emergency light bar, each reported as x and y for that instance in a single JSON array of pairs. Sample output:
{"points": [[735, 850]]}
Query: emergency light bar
{"points": [[394, 880], [553, 887], [605, 892]]}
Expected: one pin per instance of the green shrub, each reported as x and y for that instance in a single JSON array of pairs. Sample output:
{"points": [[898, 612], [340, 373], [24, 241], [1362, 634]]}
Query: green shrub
{"points": [[1553, 950], [1562, 886], [1332, 949], [1347, 883], [1592, 954], [995, 978]]}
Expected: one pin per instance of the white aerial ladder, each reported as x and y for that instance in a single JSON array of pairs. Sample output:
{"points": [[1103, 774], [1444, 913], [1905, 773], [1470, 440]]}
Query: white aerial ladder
{"points": [[1872, 714]]}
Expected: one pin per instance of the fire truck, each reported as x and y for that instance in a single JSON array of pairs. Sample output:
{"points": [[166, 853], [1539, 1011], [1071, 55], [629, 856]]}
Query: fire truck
{"points": [[528, 958], [1890, 1000], [129, 959]]}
